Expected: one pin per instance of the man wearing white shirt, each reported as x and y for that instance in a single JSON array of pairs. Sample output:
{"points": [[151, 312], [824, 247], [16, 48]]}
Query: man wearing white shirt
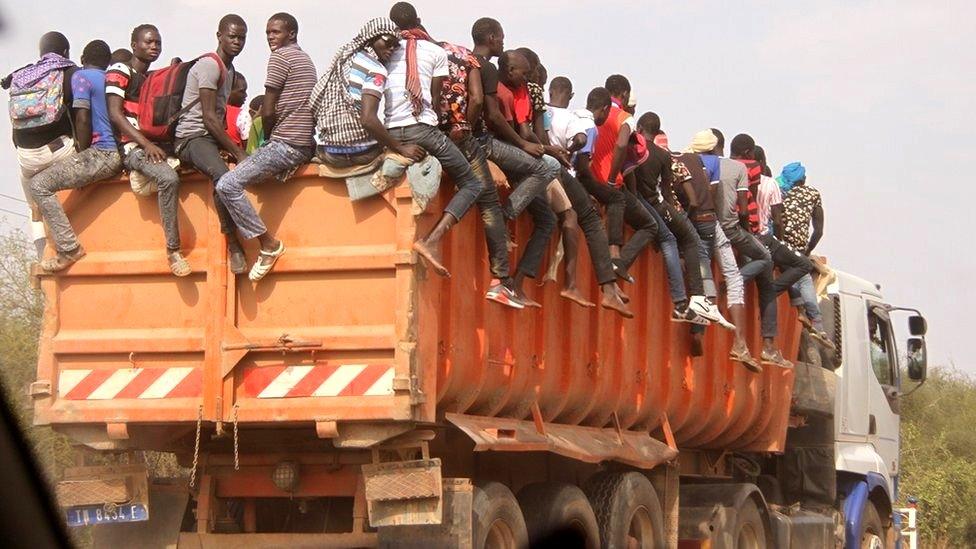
{"points": [[415, 68]]}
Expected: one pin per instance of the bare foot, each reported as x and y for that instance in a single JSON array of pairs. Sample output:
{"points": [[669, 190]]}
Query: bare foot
{"points": [[431, 257], [526, 300], [623, 297], [575, 296], [613, 302]]}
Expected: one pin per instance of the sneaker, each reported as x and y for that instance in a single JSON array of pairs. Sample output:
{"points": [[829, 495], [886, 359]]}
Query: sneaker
{"points": [[621, 271], [775, 358], [684, 314], [499, 293], [704, 308]]}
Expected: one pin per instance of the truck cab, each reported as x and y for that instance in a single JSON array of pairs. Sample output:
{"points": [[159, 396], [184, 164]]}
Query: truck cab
{"points": [[867, 403]]}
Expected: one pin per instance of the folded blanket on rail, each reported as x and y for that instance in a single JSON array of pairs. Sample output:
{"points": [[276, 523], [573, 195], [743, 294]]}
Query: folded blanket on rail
{"points": [[386, 172]]}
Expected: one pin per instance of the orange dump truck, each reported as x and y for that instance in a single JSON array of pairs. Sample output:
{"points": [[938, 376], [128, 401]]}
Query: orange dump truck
{"points": [[354, 399]]}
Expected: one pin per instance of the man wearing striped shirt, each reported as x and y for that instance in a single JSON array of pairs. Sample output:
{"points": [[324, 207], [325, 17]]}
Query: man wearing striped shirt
{"points": [[288, 126]]}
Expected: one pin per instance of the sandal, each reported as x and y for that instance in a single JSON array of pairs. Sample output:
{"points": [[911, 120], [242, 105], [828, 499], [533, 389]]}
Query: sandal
{"points": [[62, 260], [260, 268], [823, 339], [178, 264], [743, 356]]}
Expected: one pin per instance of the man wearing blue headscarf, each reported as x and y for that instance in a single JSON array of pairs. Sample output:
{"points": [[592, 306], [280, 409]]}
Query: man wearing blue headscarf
{"points": [[802, 208]]}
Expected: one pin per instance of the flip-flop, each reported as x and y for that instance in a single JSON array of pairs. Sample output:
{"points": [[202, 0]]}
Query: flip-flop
{"points": [[823, 339], [260, 269]]}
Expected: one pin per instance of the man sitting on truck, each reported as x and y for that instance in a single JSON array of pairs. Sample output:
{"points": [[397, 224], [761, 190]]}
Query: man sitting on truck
{"points": [[201, 132], [123, 82], [732, 211], [598, 166], [38, 147], [288, 125], [803, 208], [357, 70], [462, 100], [99, 157], [791, 264], [691, 177]]}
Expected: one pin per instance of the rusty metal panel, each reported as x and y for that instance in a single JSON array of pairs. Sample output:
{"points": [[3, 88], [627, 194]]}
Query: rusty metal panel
{"points": [[350, 327], [585, 366], [403, 493]]}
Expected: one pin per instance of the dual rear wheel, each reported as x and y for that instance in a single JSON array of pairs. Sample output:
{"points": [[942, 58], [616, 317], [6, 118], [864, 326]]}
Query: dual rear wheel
{"points": [[614, 510]]}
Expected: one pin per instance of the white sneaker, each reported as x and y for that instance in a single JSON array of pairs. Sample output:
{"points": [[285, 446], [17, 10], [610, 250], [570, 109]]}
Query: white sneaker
{"points": [[706, 309]]}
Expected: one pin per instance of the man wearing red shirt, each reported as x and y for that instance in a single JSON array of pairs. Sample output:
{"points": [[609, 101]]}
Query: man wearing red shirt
{"points": [[600, 173]]}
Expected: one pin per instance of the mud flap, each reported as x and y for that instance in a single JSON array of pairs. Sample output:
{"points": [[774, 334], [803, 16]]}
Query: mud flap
{"points": [[453, 531], [404, 492], [162, 530]]}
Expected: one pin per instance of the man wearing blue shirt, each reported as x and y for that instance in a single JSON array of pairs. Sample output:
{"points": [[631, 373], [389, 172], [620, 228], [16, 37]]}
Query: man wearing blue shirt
{"points": [[99, 157]]}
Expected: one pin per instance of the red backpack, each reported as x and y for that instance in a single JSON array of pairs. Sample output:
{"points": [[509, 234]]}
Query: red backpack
{"points": [[161, 98]]}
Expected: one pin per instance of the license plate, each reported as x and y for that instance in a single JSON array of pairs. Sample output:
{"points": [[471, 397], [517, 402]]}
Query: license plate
{"points": [[97, 514]]}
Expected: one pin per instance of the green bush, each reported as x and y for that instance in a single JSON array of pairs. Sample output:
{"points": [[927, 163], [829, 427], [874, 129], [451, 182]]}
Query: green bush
{"points": [[938, 458]]}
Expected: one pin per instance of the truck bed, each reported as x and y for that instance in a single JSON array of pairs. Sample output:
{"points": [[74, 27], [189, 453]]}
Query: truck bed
{"points": [[350, 328]]}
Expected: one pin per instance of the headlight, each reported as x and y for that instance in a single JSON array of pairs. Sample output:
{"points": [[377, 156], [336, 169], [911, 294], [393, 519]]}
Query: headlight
{"points": [[285, 476]]}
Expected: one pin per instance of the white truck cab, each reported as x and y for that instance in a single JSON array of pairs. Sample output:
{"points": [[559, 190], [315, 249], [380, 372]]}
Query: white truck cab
{"points": [[866, 427]]}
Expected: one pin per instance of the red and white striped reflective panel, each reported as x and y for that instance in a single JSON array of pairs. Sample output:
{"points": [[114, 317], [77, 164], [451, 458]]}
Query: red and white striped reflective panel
{"points": [[142, 383], [319, 380]]}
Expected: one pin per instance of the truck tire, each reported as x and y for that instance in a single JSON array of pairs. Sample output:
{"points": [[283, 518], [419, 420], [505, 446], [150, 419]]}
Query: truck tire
{"points": [[559, 515], [496, 520], [750, 530], [627, 510], [873, 534]]}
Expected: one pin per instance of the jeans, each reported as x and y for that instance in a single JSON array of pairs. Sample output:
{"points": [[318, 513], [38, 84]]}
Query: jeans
{"points": [[75, 172], [203, 154], [591, 223], [33, 161], [672, 259], [345, 160], [793, 265], [443, 149], [688, 242], [616, 203], [804, 294], [712, 238], [644, 225], [273, 158], [496, 232], [168, 182], [528, 175], [759, 266], [525, 173]]}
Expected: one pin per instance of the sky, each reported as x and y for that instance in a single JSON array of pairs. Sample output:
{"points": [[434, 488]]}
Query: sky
{"points": [[874, 98]]}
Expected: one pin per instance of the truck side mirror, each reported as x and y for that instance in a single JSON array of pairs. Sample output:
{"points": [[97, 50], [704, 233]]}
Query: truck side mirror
{"points": [[917, 358], [917, 325]]}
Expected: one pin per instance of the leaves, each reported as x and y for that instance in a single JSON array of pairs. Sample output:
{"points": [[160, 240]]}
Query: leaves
{"points": [[938, 457]]}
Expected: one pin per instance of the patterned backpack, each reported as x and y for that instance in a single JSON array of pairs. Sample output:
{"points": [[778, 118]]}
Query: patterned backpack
{"points": [[40, 104]]}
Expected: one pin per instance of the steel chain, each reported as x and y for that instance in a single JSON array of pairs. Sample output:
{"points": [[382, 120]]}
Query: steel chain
{"points": [[237, 457], [196, 448]]}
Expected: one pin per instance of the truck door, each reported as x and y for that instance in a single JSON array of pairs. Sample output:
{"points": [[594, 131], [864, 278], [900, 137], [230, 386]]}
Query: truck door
{"points": [[883, 400]]}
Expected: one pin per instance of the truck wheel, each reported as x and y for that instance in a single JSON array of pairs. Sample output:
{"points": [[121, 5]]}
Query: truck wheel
{"points": [[627, 510], [496, 520], [872, 529], [750, 532], [560, 511]]}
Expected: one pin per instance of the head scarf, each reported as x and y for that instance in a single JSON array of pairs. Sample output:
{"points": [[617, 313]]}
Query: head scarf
{"points": [[661, 140], [703, 142], [31, 74], [637, 153], [413, 75], [792, 173], [336, 115]]}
